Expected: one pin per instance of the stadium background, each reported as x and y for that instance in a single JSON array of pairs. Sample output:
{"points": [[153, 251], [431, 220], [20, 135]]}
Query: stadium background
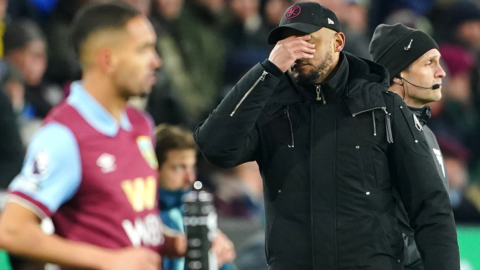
{"points": [[206, 46]]}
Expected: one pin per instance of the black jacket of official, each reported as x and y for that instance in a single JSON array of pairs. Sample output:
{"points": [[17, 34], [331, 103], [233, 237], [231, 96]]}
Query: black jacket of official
{"points": [[329, 168], [412, 257]]}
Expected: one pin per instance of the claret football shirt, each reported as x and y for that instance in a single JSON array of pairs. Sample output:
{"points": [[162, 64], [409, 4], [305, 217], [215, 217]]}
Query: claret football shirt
{"points": [[94, 176]]}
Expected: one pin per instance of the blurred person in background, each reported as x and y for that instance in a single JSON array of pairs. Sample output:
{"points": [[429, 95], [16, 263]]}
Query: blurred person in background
{"points": [[456, 115], [238, 191], [244, 38], [177, 155], [355, 26], [202, 50], [461, 22], [414, 69], [274, 10], [464, 196], [92, 167], [25, 53], [26, 50], [141, 5], [164, 102], [63, 66], [380, 9], [191, 46]]}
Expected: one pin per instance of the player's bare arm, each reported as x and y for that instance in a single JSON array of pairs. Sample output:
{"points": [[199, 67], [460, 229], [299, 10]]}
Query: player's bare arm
{"points": [[20, 234]]}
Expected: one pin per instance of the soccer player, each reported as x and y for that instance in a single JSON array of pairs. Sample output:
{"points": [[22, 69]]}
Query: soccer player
{"points": [[92, 167]]}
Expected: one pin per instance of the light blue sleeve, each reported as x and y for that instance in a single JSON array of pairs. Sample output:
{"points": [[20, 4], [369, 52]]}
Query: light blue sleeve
{"points": [[51, 172]]}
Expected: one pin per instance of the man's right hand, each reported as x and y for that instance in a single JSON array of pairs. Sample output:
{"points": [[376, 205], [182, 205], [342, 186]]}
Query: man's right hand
{"points": [[288, 50], [132, 259]]}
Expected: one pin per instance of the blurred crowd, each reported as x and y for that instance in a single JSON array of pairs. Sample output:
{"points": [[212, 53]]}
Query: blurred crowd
{"points": [[205, 47]]}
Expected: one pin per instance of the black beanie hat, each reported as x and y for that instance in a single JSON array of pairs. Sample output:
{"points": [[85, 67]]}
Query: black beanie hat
{"points": [[396, 46]]}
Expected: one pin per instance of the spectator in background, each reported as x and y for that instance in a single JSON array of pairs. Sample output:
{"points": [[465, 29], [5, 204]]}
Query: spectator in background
{"points": [[191, 46], [465, 197], [176, 153], [238, 191], [141, 5], [245, 39], [463, 24], [25, 53], [199, 41], [25, 50], [274, 10], [455, 117], [355, 27], [63, 67], [164, 102]]}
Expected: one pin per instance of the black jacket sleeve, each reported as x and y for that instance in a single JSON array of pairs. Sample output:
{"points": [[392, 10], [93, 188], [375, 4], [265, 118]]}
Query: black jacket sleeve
{"points": [[229, 137], [422, 192]]}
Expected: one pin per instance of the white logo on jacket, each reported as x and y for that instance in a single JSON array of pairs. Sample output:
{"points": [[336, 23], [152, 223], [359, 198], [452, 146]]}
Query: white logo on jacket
{"points": [[439, 156]]}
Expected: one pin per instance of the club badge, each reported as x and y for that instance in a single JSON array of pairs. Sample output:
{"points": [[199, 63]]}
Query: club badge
{"points": [[146, 148]]}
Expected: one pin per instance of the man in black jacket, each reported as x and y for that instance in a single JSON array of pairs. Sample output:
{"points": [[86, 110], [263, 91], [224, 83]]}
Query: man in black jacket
{"points": [[332, 144], [412, 59]]}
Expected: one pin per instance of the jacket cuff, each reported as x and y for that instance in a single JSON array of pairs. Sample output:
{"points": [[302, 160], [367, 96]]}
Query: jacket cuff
{"points": [[272, 68]]}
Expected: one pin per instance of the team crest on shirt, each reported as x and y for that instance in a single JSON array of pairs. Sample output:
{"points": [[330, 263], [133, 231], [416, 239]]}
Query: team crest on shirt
{"points": [[146, 148]]}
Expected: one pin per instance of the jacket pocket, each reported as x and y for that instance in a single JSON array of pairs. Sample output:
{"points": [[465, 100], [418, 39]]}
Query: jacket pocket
{"points": [[365, 159], [392, 236], [281, 164]]}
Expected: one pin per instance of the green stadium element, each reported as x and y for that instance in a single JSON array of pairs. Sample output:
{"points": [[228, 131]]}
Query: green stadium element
{"points": [[4, 261], [469, 243]]}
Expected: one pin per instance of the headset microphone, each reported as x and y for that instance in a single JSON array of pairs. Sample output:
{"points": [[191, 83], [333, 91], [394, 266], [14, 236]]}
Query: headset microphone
{"points": [[433, 87]]}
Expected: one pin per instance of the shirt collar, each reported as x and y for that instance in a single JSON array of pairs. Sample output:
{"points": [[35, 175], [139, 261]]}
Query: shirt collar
{"points": [[94, 113]]}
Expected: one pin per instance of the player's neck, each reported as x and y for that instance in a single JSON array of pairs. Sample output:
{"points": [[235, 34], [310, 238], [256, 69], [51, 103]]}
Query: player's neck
{"points": [[102, 90]]}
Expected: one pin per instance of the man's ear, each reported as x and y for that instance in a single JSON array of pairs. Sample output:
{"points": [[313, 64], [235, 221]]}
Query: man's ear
{"points": [[105, 60], [397, 80], [339, 41]]}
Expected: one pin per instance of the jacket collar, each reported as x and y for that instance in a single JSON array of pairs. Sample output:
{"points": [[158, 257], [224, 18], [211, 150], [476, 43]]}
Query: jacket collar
{"points": [[423, 114], [333, 88], [366, 85], [361, 80]]}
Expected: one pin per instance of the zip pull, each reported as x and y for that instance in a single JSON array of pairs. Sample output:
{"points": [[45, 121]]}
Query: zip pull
{"points": [[292, 145], [319, 89], [374, 124], [262, 78], [388, 125]]}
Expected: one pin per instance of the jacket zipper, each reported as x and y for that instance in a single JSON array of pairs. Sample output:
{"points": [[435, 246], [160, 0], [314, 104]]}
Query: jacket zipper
{"points": [[292, 145], [319, 92], [262, 78], [388, 124]]}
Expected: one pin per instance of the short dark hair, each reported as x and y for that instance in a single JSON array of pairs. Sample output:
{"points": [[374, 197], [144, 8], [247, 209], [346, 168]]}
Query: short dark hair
{"points": [[170, 137], [20, 33], [97, 17]]}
